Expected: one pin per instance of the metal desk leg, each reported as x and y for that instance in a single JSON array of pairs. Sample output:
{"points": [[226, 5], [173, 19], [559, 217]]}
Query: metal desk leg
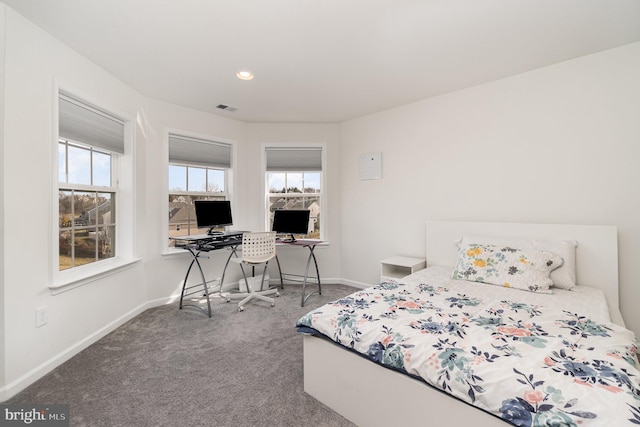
{"points": [[234, 251], [184, 282], [195, 256], [206, 288], [280, 272], [306, 275]]}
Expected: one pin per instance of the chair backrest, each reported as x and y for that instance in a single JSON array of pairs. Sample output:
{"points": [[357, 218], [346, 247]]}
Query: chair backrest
{"points": [[258, 246]]}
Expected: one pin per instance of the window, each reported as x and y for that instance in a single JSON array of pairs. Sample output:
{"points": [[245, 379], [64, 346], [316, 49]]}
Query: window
{"points": [[198, 170], [90, 142], [294, 181]]}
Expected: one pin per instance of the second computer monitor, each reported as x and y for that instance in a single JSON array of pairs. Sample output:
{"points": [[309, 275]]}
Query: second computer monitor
{"points": [[291, 221]]}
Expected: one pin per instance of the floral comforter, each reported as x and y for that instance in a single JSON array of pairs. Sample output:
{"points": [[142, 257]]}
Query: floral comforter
{"points": [[530, 365]]}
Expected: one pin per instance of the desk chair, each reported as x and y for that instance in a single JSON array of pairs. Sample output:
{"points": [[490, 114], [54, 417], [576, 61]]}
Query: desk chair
{"points": [[257, 248]]}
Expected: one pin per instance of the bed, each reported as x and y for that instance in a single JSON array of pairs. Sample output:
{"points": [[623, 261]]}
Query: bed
{"points": [[431, 350]]}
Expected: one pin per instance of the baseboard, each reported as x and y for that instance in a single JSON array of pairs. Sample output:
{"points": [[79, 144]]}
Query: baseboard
{"points": [[325, 280], [355, 284], [15, 387]]}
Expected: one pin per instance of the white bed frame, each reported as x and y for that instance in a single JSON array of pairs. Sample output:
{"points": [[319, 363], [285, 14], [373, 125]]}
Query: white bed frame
{"points": [[371, 395]]}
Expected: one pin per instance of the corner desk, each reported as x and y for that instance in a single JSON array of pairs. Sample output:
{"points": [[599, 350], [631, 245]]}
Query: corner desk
{"points": [[196, 245]]}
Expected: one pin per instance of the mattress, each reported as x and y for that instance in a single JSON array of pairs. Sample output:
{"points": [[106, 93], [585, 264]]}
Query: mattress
{"points": [[580, 299]]}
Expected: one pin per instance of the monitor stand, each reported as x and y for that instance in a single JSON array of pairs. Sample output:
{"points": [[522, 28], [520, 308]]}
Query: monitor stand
{"points": [[210, 232]]}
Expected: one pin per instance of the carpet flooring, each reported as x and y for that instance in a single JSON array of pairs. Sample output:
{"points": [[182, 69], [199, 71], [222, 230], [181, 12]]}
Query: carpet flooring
{"points": [[171, 367]]}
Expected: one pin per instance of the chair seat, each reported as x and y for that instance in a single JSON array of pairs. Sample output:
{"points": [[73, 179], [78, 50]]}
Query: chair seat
{"points": [[258, 248]]}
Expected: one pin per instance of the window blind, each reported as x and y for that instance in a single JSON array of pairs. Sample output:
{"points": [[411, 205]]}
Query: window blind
{"points": [[294, 158], [83, 123], [183, 149]]}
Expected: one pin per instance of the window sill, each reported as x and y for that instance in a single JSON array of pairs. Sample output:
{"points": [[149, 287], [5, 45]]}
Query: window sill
{"points": [[168, 252], [72, 279]]}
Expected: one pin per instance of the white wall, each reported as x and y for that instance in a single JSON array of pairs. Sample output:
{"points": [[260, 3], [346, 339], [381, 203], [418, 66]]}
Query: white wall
{"points": [[556, 145], [34, 64], [2, 156]]}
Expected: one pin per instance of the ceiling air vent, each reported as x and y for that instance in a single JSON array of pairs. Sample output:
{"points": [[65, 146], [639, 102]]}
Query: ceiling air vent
{"points": [[226, 107]]}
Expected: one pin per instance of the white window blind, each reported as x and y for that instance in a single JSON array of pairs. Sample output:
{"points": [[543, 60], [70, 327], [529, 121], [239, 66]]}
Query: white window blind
{"points": [[294, 158], [83, 123], [195, 151]]}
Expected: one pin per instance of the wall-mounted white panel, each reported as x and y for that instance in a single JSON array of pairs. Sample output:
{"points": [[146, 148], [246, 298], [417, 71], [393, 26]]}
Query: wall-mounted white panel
{"points": [[370, 166]]}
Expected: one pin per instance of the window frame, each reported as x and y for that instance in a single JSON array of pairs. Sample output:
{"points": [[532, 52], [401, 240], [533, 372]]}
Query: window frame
{"points": [[92, 188], [214, 195], [123, 172], [229, 178], [322, 195]]}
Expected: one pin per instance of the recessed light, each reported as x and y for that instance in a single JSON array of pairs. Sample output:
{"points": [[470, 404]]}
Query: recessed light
{"points": [[244, 75]]}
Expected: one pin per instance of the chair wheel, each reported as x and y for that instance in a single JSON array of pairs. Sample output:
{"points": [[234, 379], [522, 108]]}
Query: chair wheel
{"points": [[277, 293], [273, 304], [240, 308], [228, 300]]}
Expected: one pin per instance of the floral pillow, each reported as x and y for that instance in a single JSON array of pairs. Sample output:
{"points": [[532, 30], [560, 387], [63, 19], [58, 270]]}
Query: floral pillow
{"points": [[524, 269]]}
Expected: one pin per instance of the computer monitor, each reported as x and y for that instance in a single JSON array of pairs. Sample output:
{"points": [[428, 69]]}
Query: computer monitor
{"points": [[291, 221], [213, 214]]}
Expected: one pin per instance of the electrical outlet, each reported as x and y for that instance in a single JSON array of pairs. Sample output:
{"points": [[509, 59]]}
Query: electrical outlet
{"points": [[42, 316]]}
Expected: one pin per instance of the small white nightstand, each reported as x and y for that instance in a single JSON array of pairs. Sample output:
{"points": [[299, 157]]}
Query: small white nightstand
{"points": [[400, 266]]}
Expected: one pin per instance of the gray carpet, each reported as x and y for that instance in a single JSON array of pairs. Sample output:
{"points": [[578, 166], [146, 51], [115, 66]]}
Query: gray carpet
{"points": [[171, 367]]}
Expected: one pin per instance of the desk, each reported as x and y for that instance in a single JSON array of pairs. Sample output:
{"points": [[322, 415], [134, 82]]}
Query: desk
{"points": [[304, 279], [198, 244]]}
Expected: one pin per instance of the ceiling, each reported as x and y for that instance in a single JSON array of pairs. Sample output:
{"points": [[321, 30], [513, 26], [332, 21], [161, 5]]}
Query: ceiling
{"points": [[326, 60]]}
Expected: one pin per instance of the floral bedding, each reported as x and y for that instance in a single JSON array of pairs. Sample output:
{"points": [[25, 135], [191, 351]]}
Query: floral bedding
{"points": [[529, 364]]}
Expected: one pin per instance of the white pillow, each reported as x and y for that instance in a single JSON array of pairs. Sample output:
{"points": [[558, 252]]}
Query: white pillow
{"points": [[525, 269], [563, 277]]}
